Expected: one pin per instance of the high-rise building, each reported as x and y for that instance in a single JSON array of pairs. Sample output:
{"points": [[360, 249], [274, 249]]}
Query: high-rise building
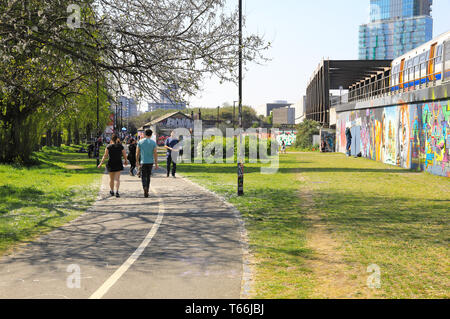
{"points": [[168, 100], [396, 27], [276, 105], [128, 107]]}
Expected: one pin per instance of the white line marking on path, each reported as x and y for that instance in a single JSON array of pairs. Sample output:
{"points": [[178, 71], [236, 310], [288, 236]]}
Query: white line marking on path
{"points": [[137, 253]]}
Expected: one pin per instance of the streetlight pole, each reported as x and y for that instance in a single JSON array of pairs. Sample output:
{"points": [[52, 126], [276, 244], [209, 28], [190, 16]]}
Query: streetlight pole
{"points": [[97, 141], [240, 64], [234, 114], [121, 119], [218, 116], [241, 160], [98, 125]]}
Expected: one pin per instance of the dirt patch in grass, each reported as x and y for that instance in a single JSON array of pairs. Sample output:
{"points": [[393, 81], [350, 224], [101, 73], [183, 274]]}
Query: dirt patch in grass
{"points": [[334, 276], [74, 167]]}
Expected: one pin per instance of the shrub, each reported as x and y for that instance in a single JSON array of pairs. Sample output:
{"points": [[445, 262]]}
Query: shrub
{"points": [[305, 132]]}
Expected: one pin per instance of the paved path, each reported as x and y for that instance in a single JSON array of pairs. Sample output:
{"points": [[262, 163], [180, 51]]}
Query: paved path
{"points": [[183, 242]]}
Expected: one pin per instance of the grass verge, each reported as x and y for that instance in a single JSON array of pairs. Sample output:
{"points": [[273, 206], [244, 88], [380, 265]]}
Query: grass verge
{"points": [[375, 214], [37, 199]]}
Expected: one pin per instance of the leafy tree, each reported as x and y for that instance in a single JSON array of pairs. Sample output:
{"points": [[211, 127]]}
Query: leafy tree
{"points": [[45, 63], [305, 132]]}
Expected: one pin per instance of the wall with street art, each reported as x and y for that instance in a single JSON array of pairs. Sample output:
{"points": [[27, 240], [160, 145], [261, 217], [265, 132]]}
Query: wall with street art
{"points": [[289, 137], [327, 140], [412, 136]]}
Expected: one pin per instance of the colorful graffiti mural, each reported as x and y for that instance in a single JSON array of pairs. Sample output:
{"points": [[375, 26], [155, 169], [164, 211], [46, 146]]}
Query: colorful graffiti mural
{"points": [[412, 136], [327, 141], [289, 137]]}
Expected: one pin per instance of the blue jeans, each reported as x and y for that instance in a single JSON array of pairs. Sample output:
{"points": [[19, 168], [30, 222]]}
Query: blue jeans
{"points": [[349, 147]]}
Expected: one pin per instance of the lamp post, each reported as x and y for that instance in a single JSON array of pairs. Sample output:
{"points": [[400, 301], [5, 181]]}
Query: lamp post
{"points": [[241, 160], [234, 114], [98, 126], [218, 116], [97, 135]]}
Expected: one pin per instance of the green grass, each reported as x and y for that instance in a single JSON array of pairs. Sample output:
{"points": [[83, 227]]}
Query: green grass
{"points": [[394, 218], [37, 199], [378, 213], [272, 211]]}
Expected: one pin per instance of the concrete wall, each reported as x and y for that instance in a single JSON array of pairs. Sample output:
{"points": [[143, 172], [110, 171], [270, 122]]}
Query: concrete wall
{"points": [[284, 115], [410, 135]]}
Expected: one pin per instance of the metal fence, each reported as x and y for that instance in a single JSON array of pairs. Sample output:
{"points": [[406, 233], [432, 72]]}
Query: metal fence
{"points": [[415, 77]]}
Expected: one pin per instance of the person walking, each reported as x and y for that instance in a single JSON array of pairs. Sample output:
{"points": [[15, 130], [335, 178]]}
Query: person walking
{"points": [[348, 135], [283, 147], [132, 156], [172, 154], [147, 151], [114, 151]]}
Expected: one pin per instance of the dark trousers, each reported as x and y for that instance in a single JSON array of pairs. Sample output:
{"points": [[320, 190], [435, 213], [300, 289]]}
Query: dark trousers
{"points": [[146, 173], [174, 165], [349, 146], [132, 165]]}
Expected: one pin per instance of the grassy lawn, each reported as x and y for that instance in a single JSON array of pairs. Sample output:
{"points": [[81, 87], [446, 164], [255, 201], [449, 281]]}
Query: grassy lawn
{"points": [[373, 213], [37, 199]]}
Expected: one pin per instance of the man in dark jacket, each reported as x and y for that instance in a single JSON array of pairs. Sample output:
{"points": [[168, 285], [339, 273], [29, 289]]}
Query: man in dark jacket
{"points": [[132, 156], [172, 154]]}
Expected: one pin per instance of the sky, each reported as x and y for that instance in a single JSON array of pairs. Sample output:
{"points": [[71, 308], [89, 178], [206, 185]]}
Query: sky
{"points": [[302, 32]]}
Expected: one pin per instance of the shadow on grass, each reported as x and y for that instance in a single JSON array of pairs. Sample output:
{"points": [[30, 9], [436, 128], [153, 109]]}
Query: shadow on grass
{"points": [[391, 218], [41, 209], [55, 162], [221, 169]]}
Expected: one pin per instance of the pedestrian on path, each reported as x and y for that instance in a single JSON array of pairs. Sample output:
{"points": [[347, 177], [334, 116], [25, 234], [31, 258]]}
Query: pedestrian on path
{"points": [[283, 147], [132, 156], [348, 135], [147, 151], [172, 153], [114, 151]]}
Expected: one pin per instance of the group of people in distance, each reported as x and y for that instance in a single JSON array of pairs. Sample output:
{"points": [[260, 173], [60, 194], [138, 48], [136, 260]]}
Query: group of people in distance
{"points": [[142, 155]]}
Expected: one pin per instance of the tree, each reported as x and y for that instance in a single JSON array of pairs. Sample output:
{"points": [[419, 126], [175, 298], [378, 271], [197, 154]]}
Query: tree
{"points": [[305, 132], [136, 46]]}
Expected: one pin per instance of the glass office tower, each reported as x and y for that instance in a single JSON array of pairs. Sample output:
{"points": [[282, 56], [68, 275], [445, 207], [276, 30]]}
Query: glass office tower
{"points": [[396, 27]]}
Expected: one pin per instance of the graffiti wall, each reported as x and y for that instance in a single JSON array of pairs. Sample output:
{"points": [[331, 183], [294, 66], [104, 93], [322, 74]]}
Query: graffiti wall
{"points": [[327, 140], [289, 137], [412, 136]]}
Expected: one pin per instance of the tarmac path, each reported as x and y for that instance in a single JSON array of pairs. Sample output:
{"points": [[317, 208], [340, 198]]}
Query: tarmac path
{"points": [[181, 243]]}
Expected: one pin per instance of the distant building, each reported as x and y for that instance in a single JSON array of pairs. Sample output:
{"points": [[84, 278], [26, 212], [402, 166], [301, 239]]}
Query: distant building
{"points": [[396, 27], [164, 125], [300, 110], [167, 100], [128, 107], [284, 116], [276, 105]]}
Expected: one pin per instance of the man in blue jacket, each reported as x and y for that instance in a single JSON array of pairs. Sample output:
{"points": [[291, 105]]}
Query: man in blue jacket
{"points": [[172, 153]]}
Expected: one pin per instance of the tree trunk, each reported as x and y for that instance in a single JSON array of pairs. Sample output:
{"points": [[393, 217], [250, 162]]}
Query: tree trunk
{"points": [[69, 135], [76, 134], [88, 133], [49, 137], [19, 136], [59, 137], [55, 138]]}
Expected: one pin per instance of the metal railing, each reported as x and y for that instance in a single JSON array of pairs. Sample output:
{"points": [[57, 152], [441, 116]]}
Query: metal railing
{"points": [[391, 84], [414, 78]]}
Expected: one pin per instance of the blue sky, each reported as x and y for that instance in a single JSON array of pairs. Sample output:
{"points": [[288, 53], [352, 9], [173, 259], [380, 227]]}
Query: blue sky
{"points": [[302, 32]]}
